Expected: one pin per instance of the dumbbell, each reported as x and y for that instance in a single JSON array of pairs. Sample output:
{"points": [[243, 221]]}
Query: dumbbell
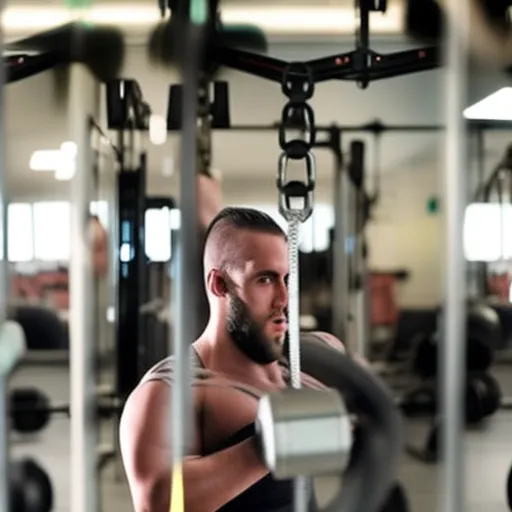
{"points": [[30, 488], [483, 397], [31, 410]]}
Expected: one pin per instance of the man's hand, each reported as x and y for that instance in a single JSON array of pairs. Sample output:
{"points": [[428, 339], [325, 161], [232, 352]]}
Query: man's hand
{"points": [[209, 199]]}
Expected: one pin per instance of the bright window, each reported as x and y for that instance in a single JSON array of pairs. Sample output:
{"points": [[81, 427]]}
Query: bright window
{"points": [[158, 234], [20, 232], [52, 231], [488, 232]]}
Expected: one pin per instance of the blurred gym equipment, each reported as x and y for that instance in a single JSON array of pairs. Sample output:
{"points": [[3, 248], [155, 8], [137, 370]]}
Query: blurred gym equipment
{"points": [[298, 89], [365, 65]]}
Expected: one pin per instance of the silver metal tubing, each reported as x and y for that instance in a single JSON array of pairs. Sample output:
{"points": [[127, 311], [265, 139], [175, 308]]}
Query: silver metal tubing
{"points": [[4, 442], [83, 105], [361, 310], [352, 249], [340, 304], [4, 448], [12, 349], [452, 355], [187, 279]]}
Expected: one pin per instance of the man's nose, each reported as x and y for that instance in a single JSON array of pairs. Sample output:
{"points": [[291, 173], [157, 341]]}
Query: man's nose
{"points": [[281, 295]]}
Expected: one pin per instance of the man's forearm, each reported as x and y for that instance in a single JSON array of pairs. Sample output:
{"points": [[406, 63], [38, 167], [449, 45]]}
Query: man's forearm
{"points": [[212, 481]]}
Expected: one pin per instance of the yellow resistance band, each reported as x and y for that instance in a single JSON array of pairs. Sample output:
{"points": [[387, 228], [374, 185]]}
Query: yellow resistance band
{"points": [[177, 489]]}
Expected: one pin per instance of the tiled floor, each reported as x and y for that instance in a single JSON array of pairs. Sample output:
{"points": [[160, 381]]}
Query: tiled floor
{"points": [[488, 454]]}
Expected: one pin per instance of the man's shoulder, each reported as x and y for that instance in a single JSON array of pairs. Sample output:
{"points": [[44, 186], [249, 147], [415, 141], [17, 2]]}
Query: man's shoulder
{"points": [[323, 337], [165, 370]]}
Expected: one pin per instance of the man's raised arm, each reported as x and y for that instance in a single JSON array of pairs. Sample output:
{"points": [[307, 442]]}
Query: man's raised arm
{"points": [[209, 482]]}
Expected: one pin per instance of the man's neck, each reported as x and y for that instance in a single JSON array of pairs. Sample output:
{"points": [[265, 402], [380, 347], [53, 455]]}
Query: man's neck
{"points": [[220, 354]]}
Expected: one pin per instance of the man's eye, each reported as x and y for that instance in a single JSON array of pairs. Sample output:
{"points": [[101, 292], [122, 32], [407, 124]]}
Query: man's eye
{"points": [[265, 279]]}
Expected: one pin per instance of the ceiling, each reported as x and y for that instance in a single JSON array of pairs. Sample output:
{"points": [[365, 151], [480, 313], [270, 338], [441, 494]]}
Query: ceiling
{"points": [[36, 117]]}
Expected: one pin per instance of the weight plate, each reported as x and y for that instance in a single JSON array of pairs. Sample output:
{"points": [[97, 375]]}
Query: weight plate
{"points": [[29, 410]]}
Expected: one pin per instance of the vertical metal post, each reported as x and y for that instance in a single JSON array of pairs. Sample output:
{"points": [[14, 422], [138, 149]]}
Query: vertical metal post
{"points": [[480, 158], [4, 448], [187, 279], [340, 302], [12, 349], [452, 357], [361, 296], [3, 195], [4, 441], [113, 241], [351, 270], [83, 104], [478, 283], [131, 269]]}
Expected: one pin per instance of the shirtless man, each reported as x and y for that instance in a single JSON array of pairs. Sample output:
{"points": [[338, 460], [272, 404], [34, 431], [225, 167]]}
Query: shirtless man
{"points": [[239, 357]]}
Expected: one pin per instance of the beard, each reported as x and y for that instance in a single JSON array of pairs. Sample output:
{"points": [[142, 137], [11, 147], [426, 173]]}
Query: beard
{"points": [[249, 336]]}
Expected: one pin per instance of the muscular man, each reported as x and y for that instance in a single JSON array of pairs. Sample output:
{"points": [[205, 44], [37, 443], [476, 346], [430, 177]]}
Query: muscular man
{"points": [[239, 356]]}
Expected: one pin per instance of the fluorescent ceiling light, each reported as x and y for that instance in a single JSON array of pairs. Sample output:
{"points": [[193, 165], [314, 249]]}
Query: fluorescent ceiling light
{"points": [[60, 161], [65, 170], [270, 19], [311, 19], [44, 160], [497, 107]]}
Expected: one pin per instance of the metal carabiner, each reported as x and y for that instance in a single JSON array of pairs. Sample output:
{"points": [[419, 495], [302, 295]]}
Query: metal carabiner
{"points": [[282, 169], [296, 190]]}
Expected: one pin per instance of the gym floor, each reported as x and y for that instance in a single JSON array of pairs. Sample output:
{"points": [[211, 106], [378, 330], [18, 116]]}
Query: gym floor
{"points": [[488, 452]]}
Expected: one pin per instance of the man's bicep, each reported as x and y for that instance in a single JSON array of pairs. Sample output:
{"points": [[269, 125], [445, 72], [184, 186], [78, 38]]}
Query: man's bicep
{"points": [[145, 433]]}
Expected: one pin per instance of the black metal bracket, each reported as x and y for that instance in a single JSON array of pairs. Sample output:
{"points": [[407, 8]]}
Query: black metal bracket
{"points": [[360, 65], [126, 108], [20, 66]]}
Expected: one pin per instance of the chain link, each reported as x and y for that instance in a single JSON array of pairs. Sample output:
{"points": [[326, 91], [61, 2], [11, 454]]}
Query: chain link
{"points": [[298, 86], [295, 196]]}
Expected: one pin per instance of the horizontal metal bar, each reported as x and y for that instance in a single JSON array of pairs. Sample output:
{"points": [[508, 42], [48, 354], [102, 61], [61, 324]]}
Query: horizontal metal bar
{"points": [[374, 127]]}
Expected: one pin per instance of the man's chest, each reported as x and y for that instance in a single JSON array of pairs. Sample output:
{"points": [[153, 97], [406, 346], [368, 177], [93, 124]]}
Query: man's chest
{"points": [[228, 405]]}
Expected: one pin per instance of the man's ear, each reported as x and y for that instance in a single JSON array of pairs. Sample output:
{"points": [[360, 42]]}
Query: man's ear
{"points": [[217, 283]]}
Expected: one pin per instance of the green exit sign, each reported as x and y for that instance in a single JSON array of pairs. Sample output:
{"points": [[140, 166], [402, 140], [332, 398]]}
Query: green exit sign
{"points": [[432, 205]]}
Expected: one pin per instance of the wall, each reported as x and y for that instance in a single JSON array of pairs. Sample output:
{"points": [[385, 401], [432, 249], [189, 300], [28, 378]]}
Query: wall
{"points": [[404, 235]]}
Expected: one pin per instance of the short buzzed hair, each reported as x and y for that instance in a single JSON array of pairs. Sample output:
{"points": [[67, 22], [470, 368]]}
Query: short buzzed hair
{"points": [[220, 229]]}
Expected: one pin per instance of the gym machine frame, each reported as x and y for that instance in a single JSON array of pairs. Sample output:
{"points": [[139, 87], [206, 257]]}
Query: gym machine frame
{"points": [[193, 37], [359, 71], [363, 65], [128, 114]]}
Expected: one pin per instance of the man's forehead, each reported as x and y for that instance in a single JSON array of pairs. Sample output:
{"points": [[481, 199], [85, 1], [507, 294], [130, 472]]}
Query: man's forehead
{"points": [[261, 252], [256, 238], [266, 262]]}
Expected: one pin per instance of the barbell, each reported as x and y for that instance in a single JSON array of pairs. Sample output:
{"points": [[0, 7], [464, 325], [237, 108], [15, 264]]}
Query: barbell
{"points": [[30, 409]]}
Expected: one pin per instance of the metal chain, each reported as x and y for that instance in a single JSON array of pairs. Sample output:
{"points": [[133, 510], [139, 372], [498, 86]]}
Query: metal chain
{"points": [[298, 86], [295, 196]]}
